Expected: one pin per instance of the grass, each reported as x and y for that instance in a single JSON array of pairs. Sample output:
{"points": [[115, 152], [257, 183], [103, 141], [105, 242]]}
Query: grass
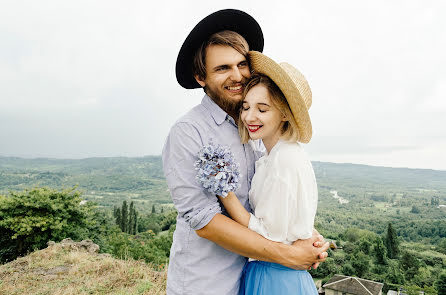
{"points": [[58, 271]]}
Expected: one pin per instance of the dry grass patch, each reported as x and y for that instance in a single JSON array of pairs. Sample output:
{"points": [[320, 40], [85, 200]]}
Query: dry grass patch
{"points": [[58, 271]]}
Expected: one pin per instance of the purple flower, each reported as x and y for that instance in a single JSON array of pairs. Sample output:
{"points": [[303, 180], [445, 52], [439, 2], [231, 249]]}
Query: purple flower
{"points": [[216, 170]]}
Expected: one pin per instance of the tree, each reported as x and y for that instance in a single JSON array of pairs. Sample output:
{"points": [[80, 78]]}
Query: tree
{"points": [[135, 222], [124, 216], [440, 284], [423, 278], [30, 218], [442, 246], [435, 201], [410, 265], [380, 251], [360, 262], [365, 245], [391, 242], [347, 269], [131, 219], [153, 208], [118, 217], [394, 274], [127, 218], [415, 209]]}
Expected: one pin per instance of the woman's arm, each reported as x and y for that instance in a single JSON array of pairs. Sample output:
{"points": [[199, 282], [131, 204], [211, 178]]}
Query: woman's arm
{"points": [[235, 209]]}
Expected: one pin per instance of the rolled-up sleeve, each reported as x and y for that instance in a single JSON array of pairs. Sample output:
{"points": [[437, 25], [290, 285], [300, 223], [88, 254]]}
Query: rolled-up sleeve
{"points": [[192, 201]]}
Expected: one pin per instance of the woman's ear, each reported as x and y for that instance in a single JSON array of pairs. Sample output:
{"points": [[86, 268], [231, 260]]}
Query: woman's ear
{"points": [[200, 80], [284, 118]]}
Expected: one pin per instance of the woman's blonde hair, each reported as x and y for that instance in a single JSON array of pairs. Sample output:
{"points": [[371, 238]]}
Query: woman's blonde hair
{"points": [[288, 129]]}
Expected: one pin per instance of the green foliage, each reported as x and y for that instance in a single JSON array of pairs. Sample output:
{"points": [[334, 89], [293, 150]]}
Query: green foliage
{"points": [[391, 242], [415, 209], [126, 218], [394, 274], [365, 246], [348, 270], [354, 234], [435, 201], [423, 278], [410, 264], [360, 263], [325, 269], [380, 251], [157, 221], [440, 284], [107, 181], [377, 196], [442, 246], [145, 246], [29, 219]]}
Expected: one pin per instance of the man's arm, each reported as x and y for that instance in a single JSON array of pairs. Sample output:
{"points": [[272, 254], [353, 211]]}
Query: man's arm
{"points": [[238, 239], [202, 211]]}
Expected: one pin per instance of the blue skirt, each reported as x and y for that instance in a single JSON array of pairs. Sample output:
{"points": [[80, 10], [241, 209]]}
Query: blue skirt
{"points": [[267, 278]]}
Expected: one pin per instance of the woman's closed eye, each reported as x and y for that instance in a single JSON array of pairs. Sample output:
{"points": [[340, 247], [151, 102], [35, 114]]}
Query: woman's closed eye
{"points": [[243, 64]]}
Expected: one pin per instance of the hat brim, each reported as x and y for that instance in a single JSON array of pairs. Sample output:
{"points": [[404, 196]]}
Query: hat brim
{"points": [[228, 19], [262, 64]]}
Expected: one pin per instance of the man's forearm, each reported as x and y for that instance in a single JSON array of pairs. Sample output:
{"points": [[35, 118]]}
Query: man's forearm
{"points": [[238, 239]]}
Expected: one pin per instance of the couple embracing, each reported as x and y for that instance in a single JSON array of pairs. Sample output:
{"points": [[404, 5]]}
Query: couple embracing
{"points": [[258, 239]]}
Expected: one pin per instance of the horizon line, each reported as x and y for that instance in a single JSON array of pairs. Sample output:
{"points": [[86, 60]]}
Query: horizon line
{"points": [[144, 156]]}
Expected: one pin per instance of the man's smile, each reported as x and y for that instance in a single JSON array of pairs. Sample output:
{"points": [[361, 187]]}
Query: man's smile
{"points": [[235, 89]]}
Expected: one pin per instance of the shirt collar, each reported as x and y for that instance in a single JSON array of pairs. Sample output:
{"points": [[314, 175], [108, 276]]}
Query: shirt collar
{"points": [[216, 112]]}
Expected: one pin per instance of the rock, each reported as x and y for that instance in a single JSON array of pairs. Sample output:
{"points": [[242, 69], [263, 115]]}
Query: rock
{"points": [[84, 245]]}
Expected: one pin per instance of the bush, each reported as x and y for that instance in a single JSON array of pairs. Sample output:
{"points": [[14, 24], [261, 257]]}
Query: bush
{"points": [[30, 218]]}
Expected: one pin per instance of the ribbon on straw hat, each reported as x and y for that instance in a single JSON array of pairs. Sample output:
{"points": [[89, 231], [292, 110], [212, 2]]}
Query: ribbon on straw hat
{"points": [[294, 87]]}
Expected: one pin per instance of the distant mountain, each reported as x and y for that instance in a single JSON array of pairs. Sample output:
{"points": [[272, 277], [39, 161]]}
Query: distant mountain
{"points": [[105, 180], [384, 177], [122, 173]]}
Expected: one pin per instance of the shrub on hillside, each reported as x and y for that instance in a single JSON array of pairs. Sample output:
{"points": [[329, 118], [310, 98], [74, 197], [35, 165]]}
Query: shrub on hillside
{"points": [[30, 218]]}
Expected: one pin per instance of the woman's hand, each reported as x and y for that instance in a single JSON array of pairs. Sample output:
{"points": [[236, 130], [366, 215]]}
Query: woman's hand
{"points": [[235, 209], [319, 243]]}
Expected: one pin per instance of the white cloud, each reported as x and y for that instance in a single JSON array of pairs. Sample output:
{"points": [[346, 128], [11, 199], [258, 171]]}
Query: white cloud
{"points": [[96, 78]]}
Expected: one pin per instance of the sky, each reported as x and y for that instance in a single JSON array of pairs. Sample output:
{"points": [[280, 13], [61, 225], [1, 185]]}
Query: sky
{"points": [[97, 78]]}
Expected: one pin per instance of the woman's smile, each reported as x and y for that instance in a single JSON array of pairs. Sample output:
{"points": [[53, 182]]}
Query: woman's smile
{"points": [[254, 128]]}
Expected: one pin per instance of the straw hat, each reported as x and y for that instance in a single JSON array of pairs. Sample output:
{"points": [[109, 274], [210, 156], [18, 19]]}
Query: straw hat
{"points": [[226, 19], [294, 87]]}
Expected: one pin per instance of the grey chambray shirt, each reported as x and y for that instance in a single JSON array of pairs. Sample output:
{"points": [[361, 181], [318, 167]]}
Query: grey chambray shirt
{"points": [[197, 265]]}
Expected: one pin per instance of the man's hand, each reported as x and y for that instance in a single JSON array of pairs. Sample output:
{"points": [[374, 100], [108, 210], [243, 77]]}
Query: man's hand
{"points": [[312, 251]]}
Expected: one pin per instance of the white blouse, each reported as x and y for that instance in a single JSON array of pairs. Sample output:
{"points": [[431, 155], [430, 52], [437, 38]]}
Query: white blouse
{"points": [[283, 194]]}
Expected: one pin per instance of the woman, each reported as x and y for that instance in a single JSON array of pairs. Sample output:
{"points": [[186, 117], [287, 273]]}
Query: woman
{"points": [[283, 193]]}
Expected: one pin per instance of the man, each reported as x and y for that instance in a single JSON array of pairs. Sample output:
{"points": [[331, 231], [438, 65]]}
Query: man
{"points": [[209, 249]]}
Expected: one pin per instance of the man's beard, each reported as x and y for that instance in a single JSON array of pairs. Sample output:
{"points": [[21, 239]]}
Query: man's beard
{"points": [[229, 106]]}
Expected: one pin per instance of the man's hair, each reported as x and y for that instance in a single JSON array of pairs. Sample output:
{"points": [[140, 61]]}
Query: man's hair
{"points": [[229, 38], [288, 128]]}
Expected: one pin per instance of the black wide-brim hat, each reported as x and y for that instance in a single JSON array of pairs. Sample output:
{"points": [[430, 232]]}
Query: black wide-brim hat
{"points": [[227, 19]]}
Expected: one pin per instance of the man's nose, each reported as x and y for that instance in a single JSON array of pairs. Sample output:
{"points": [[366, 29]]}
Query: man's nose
{"points": [[236, 75]]}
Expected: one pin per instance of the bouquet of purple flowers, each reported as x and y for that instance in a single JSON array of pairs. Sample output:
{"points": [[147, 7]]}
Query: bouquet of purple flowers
{"points": [[216, 170]]}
